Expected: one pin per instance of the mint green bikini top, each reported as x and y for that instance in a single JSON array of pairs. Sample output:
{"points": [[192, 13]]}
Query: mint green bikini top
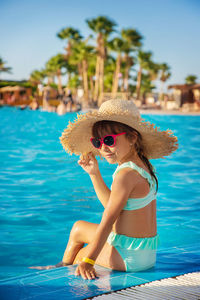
{"points": [[137, 203]]}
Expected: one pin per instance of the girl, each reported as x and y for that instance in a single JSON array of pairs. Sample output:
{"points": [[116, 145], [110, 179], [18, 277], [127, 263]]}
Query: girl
{"points": [[126, 238]]}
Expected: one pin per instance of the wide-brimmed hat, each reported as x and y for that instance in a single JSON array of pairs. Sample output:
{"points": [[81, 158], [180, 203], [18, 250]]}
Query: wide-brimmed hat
{"points": [[156, 144]]}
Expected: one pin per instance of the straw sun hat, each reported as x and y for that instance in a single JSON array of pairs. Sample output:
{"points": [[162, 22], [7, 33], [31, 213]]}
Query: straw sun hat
{"points": [[156, 144]]}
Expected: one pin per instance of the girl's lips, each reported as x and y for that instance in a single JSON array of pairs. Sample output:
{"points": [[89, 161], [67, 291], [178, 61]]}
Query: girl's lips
{"points": [[108, 155]]}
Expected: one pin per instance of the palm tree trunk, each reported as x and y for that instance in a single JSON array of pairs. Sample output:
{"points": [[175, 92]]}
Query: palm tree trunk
{"points": [[85, 81], [101, 76], [96, 86], [122, 89], [161, 90], [116, 76], [139, 79], [80, 73], [91, 85], [126, 77], [59, 82], [102, 59], [50, 79], [68, 78]]}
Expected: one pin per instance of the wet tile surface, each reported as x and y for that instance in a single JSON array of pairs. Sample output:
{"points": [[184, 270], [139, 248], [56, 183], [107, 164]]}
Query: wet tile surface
{"points": [[63, 284]]}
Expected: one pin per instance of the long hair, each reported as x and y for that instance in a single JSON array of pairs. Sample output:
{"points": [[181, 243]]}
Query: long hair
{"points": [[102, 128]]}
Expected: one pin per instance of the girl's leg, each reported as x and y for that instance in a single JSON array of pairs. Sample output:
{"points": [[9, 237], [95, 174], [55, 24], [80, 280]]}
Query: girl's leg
{"points": [[82, 233], [109, 257]]}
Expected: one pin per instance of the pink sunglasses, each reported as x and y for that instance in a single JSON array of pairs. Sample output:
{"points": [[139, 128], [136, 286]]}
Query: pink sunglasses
{"points": [[108, 140]]}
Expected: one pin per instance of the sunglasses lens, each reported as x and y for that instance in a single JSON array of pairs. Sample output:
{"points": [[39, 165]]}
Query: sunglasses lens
{"points": [[96, 143], [109, 140]]}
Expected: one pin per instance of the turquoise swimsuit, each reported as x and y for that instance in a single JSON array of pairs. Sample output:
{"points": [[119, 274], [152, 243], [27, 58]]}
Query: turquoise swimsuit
{"points": [[137, 253]]}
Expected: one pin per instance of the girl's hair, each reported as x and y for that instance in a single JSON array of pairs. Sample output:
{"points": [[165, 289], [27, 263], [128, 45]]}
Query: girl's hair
{"points": [[102, 128]]}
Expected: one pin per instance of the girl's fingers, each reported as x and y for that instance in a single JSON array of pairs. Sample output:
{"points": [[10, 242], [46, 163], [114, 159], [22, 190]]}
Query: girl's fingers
{"points": [[77, 272], [83, 274], [91, 275]]}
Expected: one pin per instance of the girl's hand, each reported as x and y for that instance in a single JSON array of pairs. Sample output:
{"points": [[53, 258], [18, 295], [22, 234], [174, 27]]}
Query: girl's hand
{"points": [[87, 271], [89, 164]]}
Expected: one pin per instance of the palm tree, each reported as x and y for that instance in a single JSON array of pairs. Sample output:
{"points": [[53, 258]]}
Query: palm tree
{"points": [[164, 75], [153, 70], [146, 84], [117, 44], [133, 41], [103, 27], [81, 52], [110, 67], [54, 67], [144, 60], [3, 67], [37, 77], [72, 36], [191, 79]]}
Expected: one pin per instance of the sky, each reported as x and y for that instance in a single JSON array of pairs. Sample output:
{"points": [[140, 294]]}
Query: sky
{"points": [[171, 31]]}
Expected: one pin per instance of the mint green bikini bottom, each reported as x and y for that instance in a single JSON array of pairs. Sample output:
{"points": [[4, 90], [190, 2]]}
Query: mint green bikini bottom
{"points": [[137, 253]]}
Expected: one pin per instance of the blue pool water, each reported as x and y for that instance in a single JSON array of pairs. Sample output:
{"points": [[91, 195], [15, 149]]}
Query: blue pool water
{"points": [[44, 191]]}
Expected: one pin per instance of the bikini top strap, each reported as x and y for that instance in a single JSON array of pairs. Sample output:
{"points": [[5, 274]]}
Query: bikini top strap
{"points": [[140, 170]]}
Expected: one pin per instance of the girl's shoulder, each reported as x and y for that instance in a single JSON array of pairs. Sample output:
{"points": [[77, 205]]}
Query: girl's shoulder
{"points": [[133, 169], [127, 177]]}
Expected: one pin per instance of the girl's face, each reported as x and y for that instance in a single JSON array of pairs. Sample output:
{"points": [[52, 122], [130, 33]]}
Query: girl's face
{"points": [[117, 153]]}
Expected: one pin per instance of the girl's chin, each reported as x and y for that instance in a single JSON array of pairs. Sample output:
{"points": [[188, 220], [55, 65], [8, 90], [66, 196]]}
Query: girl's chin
{"points": [[111, 159]]}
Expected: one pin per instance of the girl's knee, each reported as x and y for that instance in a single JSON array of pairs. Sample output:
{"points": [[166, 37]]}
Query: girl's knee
{"points": [[77, 227]]}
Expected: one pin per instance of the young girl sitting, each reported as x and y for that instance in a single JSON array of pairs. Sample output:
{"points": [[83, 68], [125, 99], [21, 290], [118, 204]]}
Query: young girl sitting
{"points": [[126, 238]]}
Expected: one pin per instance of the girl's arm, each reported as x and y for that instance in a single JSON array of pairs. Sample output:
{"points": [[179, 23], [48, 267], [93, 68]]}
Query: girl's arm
{"points": [[101, 189], [122, 186], [90, 165]]}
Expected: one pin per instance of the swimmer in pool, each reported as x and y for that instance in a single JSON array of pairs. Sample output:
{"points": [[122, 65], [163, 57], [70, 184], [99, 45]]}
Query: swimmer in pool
{"points": [[126, 238]]}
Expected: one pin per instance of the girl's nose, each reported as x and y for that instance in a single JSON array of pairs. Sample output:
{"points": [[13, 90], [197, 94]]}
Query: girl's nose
{"points": [[104, 147]]}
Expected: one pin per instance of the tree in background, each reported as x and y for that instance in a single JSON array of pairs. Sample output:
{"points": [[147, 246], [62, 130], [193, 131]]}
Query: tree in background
{"points": [[144, 61], [54, 67], [146, 85], [117, 45], [3, 67], [72, 36], [110, 67], [81, 53], [94, 68], [133, 41], [103, 27], [164, 76], [191, 79], [37, 77]]}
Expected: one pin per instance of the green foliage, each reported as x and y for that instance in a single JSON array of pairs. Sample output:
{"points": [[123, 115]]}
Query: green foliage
{"points": [[3, 67], [55, 64], [102, 24], [117, 44], [74, 82], [133, 39], [128, 44], [144, 59], [37, 76], [165, 72], [146, 84], [191, 79], [81, 51], [69, 33], [22, 83]]}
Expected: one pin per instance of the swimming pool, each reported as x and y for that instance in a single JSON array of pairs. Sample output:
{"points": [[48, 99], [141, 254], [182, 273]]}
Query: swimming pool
{"points": [[44, 191]]}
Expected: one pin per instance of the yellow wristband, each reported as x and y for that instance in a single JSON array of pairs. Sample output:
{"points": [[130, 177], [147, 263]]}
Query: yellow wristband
{"points": [[88, 260]]}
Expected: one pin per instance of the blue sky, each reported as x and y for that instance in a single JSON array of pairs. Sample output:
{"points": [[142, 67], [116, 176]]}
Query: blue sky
{"points": [[171, 30]]}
